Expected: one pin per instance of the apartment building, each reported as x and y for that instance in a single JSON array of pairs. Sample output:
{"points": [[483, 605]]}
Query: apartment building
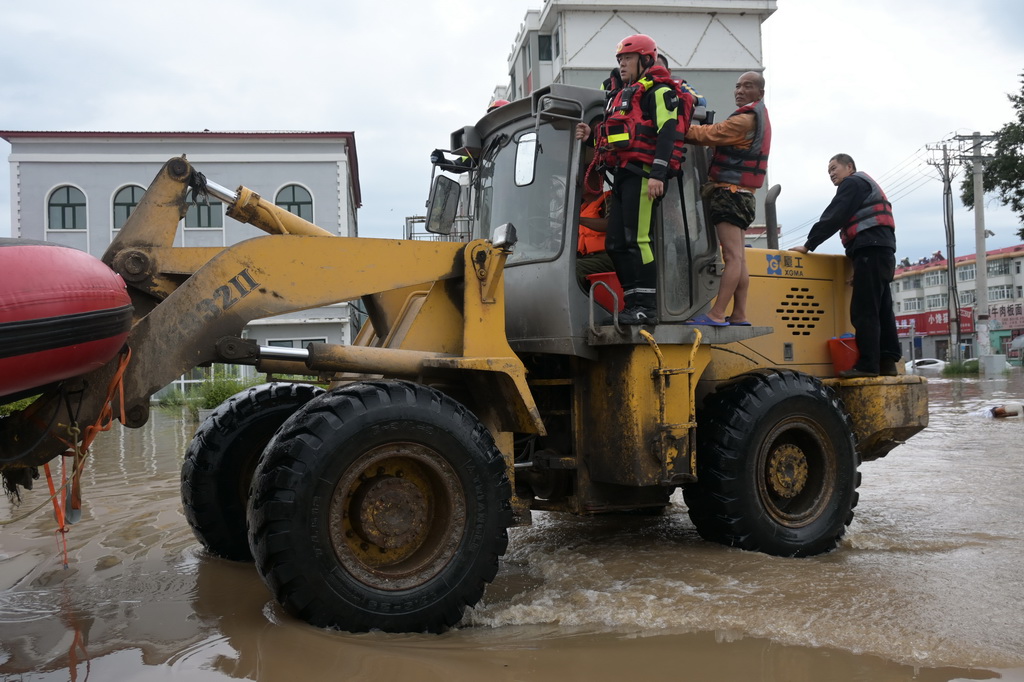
{"points": [[921, 297], [707, 42], [710, 43]]}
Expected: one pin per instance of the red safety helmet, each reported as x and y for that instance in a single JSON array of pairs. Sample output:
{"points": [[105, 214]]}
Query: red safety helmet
{"points": [[497, 103], [640, 44]]}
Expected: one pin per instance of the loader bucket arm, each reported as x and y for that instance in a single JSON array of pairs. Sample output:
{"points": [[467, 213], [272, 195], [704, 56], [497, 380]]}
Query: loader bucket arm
{"points": [[142, 250], [258, 278], [263, 277]]}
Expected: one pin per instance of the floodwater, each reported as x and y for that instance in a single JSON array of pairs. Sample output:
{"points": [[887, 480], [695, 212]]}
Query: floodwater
{"points": [[927, 585]]}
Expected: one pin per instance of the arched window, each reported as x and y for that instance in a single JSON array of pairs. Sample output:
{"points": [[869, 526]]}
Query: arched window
{"points": [[297, 200], [67, 209], [125, 202], [205, 214]]}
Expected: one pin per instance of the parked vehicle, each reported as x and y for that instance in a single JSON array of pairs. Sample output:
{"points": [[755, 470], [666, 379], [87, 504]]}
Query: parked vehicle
{"points": [[971, 365], [926, 364]]}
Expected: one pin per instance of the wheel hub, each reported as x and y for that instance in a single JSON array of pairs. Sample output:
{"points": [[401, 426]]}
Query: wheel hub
{"points": [[389, 512], [397, 516], [787, 471]]}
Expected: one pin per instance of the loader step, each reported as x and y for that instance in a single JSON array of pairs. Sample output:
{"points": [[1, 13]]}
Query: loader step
{"points": [[673, 334]]}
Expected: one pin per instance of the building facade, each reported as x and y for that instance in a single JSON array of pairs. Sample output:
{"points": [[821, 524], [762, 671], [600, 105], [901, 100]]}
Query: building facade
{"points": [[921, 297], [78, 189], [709, 43]]}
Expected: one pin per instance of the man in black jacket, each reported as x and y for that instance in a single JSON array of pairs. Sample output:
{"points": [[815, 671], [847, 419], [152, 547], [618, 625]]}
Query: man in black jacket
{"points": [[862, 215]]}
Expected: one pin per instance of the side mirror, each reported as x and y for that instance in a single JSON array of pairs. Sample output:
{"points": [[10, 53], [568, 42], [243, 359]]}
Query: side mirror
{"points": [[526, 159], [443, 205]]}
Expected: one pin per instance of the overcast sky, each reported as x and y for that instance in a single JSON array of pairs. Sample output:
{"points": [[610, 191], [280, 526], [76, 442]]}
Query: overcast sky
{"points": [[877, 79]]}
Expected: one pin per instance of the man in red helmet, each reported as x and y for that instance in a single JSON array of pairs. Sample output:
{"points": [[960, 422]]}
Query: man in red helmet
{"points": [[641, 141]]}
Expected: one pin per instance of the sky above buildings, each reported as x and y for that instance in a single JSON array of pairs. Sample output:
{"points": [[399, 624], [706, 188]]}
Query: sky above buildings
{"points": [[877, 79]]}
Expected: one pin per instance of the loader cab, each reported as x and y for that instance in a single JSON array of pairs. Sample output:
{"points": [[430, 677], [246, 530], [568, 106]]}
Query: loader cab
{"points": [[529, 172]]}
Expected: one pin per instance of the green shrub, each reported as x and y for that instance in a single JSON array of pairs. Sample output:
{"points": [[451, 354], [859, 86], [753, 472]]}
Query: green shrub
{"points": [[16, 406], [172, 398], [972, 366], [212, 392]]}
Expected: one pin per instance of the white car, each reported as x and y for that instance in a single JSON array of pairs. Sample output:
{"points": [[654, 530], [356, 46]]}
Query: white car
{"points": [[972, 364], [925, 363]]}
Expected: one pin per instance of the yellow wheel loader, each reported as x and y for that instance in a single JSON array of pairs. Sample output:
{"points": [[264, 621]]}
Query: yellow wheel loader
{"points": [[482, 386]]}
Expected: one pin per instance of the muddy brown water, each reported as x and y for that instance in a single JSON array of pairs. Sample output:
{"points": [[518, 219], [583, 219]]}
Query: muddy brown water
{"points": [[927, 585]]}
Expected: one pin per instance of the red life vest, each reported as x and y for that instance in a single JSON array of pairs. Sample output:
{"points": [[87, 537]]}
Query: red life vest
{"points": [[591, 241], [745, 167], [875, 211], [629, 134]]}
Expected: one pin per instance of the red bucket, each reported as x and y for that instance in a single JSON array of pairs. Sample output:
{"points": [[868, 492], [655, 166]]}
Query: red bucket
{"points": [[844, 353], [601, 295]]}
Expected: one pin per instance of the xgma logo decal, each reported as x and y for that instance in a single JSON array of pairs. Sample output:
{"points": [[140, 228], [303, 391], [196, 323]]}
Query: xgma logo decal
{"points": [[788, 266]]}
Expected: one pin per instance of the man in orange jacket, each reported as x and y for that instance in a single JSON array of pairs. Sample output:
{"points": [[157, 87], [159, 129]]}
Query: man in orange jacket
{"points": [[591, 257], [738, 165]]}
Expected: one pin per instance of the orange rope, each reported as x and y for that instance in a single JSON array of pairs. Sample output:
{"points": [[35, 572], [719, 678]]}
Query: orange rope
{"points": [[58, 510], [586, 175], [106, 418], [78, 643], [79, 452]]}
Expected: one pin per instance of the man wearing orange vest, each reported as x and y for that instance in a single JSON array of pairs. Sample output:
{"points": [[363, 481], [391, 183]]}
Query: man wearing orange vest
{"points": [[738, 167], [591, 257], [862, 215]]}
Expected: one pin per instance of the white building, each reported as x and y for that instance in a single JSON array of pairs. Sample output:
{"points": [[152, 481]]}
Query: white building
{"points": [[78, 189], [709, 43], [921, 298]]}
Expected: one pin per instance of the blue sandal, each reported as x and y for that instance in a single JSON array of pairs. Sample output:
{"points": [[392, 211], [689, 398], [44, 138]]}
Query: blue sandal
{"points": [[705, 321], [737, 324]]}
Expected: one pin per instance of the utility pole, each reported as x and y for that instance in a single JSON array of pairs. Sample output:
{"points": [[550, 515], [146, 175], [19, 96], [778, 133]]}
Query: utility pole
{"points": [[974, 146], [952, 299]]}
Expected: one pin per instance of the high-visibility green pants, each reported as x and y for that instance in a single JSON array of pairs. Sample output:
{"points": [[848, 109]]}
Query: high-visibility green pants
{"points": [[630, 239]]}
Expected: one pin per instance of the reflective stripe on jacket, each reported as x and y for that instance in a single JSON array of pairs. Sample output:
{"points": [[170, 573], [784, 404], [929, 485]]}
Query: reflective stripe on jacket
{"points": [[629, 133], [875, 211]]}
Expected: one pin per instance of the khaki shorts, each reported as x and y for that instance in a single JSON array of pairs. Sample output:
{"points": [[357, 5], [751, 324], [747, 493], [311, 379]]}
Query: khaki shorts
{"points": [[735, 208]]}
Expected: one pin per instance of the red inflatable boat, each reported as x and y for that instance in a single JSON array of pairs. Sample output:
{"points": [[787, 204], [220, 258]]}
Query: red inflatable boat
{"points": [[62, 313]]}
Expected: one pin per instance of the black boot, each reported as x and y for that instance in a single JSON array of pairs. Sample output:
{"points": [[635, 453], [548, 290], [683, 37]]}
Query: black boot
{"points": [[639, 309], [887, 367], [856, 374], [638, 314]]}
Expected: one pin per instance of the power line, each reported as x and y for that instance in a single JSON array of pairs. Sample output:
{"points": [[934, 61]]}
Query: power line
{"points": [[895, 190], [906, 177], [907, 165], [923, 180], [915, 155]]}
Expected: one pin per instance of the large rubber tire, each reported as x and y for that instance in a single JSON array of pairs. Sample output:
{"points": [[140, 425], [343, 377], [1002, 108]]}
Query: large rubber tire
{"points": [[221, 458], [776, 466], [380, 505]]}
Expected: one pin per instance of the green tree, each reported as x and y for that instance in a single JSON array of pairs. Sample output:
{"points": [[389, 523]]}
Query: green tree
{"points": [[1004, 174]]}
